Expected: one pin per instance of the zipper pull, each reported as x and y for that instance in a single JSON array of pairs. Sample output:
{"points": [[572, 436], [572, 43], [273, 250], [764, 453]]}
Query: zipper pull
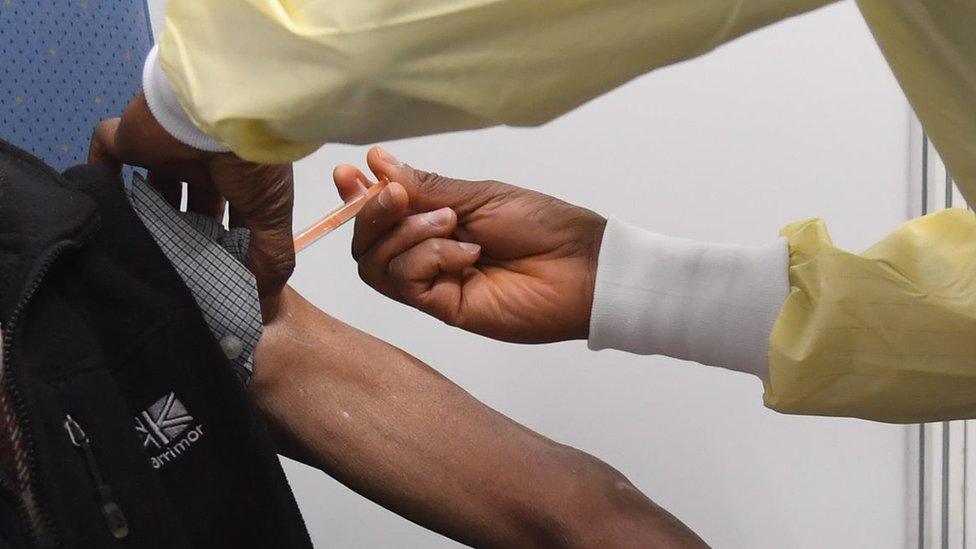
{"points": [[117, 524]]}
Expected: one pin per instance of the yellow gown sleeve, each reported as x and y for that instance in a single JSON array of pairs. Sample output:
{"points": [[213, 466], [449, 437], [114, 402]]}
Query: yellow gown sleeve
{"points": [[275, 79], [890, 335]]}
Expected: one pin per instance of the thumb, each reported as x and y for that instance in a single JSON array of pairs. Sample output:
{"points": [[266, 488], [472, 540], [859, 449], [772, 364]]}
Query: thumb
{"points": [[426, 191], [383, 164], [103, 149]]}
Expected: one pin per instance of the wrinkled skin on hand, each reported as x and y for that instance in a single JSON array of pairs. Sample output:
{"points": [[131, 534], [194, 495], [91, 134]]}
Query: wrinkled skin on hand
{"points": [[261, 196], [488, 257]]}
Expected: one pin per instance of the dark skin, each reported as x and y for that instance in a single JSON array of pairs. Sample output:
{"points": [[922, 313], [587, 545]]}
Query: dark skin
{"points": [[382, 422], [528, 278], [393, 429], [491, 258], [261, 196]]}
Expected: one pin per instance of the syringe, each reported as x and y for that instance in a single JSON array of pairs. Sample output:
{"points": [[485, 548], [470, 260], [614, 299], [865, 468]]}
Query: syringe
{"points": [[337, 217]]}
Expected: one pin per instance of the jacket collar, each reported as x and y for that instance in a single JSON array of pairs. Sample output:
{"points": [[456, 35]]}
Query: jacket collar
{"points": [[38, 211]]}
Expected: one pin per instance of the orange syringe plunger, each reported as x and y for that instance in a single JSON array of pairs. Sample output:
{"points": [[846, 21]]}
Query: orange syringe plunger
{"points": [[337, 217]]}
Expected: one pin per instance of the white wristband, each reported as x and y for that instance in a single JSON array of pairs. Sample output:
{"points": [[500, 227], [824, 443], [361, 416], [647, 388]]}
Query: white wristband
{"points": [[166, 108], [710, 303]]}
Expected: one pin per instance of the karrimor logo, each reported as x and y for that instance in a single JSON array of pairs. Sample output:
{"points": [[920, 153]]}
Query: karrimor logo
{"points": [[167, 429]]}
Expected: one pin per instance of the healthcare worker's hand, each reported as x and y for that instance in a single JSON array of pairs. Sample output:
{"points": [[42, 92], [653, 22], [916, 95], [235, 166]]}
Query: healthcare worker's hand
{"points": [[491, 258], [260, 196]]}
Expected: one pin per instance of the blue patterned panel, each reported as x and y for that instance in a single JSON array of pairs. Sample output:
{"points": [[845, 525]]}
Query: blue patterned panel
{"points": [[65, 65]]}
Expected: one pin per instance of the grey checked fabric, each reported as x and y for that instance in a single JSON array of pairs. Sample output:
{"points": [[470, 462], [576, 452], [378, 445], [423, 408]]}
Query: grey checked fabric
{"points": [[212, 261]]}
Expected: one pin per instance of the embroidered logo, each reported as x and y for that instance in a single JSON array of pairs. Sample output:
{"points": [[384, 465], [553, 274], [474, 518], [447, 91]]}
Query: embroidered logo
{"points": [[167, 429]]}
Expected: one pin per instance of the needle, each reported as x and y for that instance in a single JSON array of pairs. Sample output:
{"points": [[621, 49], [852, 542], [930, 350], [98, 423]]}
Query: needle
{"points": [[337, 217]]}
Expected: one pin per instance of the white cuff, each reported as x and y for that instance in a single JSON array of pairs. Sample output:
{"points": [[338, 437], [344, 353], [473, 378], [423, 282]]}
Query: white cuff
{"points": [[166, 107], [711, 303]]}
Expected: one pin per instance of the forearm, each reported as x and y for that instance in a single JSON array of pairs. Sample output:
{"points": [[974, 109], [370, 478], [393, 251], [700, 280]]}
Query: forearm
{"points": [[394, 430]]}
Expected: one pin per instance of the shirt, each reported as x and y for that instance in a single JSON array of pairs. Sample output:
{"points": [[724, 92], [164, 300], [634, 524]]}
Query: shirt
{"points": [[885, 335], [212, 262]]}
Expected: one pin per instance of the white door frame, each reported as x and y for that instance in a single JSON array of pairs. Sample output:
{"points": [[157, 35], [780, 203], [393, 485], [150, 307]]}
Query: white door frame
{"points": [[945, 453]]}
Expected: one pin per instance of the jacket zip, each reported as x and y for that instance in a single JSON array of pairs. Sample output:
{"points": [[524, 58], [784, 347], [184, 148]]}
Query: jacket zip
{"points": [[37, 521], [114, 518]]}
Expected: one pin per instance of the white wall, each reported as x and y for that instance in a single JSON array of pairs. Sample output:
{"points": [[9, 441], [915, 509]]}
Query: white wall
{"points": [[800, 120]]}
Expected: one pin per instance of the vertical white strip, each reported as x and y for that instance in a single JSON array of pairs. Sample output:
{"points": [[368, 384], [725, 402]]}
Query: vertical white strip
{"points": [[958, 200], [955, 499], [934, 518], [918, 161], [969, 496], [914, 485], [946, 506]]}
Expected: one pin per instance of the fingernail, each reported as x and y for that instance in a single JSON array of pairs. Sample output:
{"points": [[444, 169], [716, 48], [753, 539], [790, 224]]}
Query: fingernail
{"points": [[385, 156], [385, 199], [469, 247], [439, 218]]}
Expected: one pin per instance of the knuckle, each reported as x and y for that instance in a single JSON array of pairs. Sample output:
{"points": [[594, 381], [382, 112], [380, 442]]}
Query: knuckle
{"points": [[453, 316], [275, 264], [282, 268], [406, 225], [418, 223], [272, 277], [424, 178], [286, 265], [262, 192], [431, 181], [365, 272], [451, 320], [396, 268]]}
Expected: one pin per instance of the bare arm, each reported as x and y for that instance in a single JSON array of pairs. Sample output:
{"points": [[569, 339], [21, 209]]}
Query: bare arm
{"points": [[394, 430]]}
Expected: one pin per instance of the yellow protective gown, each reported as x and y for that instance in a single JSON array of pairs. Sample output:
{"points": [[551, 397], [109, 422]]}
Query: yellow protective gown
{"points": [[888, 335]]}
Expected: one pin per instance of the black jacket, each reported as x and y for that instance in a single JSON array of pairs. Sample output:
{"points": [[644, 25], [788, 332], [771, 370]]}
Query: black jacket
{"points": [[136, 431]]}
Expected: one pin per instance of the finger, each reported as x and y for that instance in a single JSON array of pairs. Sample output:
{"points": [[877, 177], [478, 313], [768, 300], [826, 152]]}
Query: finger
{"points": [[427, 191], [383, 164], [204, 199], [350, 182], [262, 196], [102, 149], [428, 276], [378, 216], [272, 260], [374, 264], [168, 186]]}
